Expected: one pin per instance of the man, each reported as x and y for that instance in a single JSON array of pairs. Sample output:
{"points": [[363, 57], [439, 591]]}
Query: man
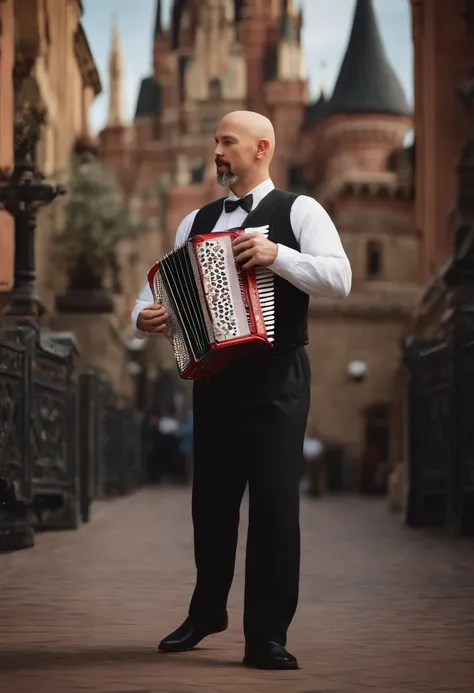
{"points": [[250, 420]]}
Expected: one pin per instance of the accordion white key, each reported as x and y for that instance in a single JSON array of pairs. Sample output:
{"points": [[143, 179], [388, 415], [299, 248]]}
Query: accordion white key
{"points": [[218, 312]]}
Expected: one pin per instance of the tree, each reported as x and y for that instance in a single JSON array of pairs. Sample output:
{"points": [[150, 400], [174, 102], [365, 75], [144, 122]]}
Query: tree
{"points": [[95, 222]]}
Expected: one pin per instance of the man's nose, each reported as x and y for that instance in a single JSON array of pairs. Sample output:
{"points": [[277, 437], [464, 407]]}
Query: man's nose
{"points": [[218, 152]]}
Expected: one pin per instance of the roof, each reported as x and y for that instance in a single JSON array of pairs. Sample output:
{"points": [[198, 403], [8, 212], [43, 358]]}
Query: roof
{"points": [[148, 102], [315, 112], [270, 63], [367, 82], [158, 19], [177, 12]]}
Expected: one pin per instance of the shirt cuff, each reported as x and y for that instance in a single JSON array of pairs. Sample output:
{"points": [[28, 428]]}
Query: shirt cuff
{"points": [[284, 259], [138, 333]]}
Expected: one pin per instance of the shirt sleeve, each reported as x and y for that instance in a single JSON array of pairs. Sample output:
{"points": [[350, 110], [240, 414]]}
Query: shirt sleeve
{"points": [[145, 297], [320, 267]]}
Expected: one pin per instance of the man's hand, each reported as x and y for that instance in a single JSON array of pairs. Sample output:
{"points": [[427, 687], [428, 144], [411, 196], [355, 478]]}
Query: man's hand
{"points": [[152, 319], [254, 249]]}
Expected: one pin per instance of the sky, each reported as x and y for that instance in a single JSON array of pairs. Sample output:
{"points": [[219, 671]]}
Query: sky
{"points": [[326, 31]]}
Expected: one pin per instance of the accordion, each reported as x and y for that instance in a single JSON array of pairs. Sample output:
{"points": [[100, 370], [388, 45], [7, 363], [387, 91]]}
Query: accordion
{"points": [[218, 313]]}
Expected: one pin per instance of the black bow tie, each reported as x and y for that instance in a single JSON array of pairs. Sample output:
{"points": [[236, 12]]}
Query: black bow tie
{"points": [[245, 202]]}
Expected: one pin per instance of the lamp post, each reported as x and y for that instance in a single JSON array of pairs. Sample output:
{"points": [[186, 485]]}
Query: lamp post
{"points": [[22, 193]]}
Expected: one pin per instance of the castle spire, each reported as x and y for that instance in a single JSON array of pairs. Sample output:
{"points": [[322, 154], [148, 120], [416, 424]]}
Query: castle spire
{"points": [[289, 18], [158, 19], [367, 82], [115, 116], [290, 55]]}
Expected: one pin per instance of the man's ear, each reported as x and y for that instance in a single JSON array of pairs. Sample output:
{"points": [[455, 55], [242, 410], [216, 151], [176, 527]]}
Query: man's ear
{"points": [[262, 147]]}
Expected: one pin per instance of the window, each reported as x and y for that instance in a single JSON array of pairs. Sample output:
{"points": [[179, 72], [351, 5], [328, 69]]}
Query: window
{"points": [[215, 89], [373, 260]]}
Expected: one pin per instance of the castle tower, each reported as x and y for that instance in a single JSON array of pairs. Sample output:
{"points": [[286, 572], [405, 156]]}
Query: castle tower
{"points": [[344, 157], [290, 54], [115, 114], [368, 115], [367, 83], [161, 42], [254, 18], [114, 137], [217, 69], [286, 87]]}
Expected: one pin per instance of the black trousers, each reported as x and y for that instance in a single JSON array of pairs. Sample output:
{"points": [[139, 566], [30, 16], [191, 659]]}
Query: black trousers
{"points": [[249, 426]]}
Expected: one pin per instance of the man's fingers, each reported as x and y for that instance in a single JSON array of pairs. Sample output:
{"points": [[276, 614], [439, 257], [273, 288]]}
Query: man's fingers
{"points": [[249, 264], [244, 236], [159, 329], [156, 320], [245, 242], [244, 246], [245, 255], [155, 307]]}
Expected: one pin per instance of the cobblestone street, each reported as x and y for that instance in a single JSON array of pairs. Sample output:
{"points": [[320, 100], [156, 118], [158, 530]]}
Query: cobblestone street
{"points": [[383, 608]]}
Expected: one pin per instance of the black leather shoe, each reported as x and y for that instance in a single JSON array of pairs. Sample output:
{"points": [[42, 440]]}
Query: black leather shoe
{"points": [[190, 634], [269, 655]]}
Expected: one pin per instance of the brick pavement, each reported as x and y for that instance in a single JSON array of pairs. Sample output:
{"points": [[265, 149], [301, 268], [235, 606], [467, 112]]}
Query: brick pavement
{"points": [[383, 608]]}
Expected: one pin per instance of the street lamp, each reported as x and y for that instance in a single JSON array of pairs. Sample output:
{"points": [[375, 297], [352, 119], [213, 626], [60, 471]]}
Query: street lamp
{"points": [[357, 370], [22, 193]]}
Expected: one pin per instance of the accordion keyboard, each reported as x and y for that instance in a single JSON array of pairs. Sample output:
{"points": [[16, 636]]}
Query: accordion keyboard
{"points": [[265, 285]]}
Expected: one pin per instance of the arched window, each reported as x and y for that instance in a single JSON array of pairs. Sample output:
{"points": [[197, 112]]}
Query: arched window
{"points": [[374, 260], [215, 89]]}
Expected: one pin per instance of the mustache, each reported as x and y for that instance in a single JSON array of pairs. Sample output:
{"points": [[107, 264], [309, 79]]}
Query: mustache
{"points": [[220, 161]]}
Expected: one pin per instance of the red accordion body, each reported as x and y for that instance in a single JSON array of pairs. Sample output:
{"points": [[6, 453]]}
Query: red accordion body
{"points": [[219, 313]]}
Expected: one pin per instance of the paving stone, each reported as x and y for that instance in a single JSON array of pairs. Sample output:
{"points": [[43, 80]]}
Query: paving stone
{"points": [[383, 608]]}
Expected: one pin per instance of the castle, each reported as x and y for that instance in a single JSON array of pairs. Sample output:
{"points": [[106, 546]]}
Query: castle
{"points": [[346, 149]]}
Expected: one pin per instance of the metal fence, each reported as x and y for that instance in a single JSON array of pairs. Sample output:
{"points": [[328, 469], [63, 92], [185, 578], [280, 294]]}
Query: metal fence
{"points": [[462, 482], [441, 430], [65, 439], [430, 421]]}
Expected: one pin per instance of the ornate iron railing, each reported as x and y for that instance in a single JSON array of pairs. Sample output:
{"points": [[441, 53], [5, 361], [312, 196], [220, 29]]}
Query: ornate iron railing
{"points": [[64, 438], [462, 483], [53, 433], [16, 516], [430, 417]]}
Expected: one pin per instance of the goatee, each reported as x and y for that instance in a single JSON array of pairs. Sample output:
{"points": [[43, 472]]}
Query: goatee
{"points": [[226, 179]]}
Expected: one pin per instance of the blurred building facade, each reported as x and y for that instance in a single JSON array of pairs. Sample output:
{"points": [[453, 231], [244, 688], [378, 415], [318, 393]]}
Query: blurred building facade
{"points": [[60, 425], [351, 156], [46, 39], [347, 150], [431, 442], [47, 36], [7, 60]]}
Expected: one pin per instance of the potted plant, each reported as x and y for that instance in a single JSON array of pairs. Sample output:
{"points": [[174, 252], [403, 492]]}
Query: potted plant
{"points": [[95, 223]]}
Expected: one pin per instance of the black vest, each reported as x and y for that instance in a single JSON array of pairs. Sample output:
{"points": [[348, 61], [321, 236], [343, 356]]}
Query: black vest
{"points": [[291, 304]]}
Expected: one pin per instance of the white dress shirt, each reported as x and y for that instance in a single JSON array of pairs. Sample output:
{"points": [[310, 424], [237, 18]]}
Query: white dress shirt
{"points": [[319, 268]]}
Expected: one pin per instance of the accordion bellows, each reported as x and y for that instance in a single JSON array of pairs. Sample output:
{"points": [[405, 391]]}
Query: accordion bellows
{"points": [[218, 312]]}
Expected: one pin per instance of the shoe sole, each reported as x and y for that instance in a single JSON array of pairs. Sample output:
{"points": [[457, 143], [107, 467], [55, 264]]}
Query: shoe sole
{"points": [[172, 649], [275, 666]]}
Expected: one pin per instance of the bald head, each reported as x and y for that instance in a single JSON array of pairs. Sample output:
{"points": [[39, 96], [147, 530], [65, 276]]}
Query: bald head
{"points": [[252, 124], [245, 143]]}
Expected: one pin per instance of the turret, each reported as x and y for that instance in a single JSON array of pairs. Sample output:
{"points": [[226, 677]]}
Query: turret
{"points": [[115, 114]]}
